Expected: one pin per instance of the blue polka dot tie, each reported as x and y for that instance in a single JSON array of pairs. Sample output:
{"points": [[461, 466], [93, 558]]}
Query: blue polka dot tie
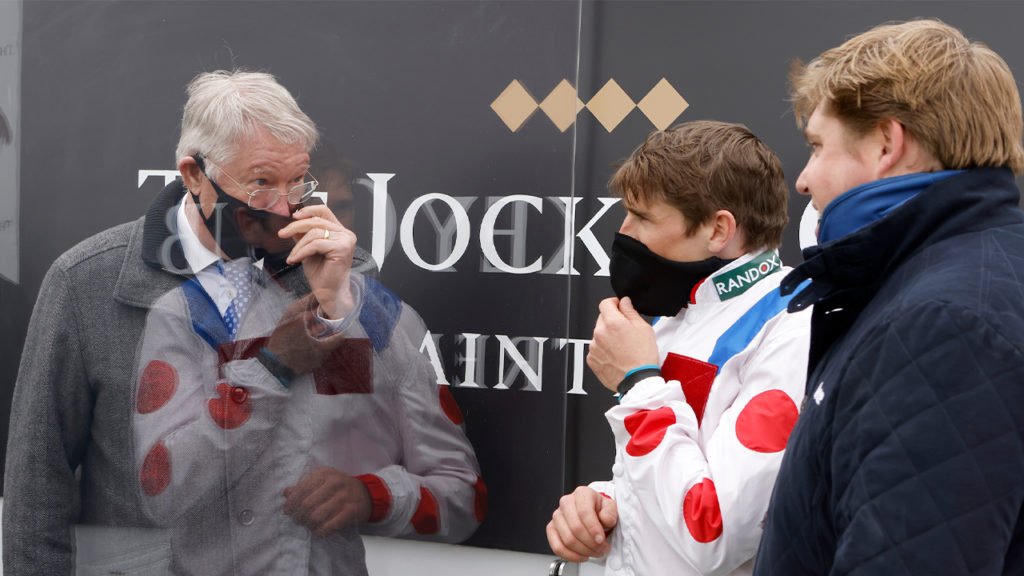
{"points": [[239, 275]]}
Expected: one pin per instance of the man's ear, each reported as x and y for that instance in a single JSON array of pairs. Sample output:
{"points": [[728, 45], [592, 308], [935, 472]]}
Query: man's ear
{"points": [[191, 174], [722, 228], [893, 152], [902, 153]]}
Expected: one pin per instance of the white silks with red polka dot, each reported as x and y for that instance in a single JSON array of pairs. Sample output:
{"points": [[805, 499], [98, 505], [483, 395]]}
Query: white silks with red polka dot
{"points": [[698, 449], [218, 438]]}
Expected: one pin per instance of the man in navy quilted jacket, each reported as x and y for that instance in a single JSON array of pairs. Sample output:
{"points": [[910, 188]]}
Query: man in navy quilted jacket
{"points": [[908, 457]]}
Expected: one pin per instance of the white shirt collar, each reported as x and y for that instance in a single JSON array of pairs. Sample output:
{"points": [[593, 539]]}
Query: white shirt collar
{"points": [[197, 255]]}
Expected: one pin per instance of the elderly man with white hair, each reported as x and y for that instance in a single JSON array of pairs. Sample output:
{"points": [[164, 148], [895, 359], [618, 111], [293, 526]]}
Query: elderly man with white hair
{"points": [[214, 389]]}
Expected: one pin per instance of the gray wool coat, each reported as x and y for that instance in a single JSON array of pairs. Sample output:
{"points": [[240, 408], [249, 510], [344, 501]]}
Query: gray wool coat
{"points": [[70, 457]]}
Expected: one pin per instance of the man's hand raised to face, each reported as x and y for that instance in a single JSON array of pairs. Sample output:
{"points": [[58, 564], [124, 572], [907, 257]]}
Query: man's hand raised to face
{"points": [[623, 340], [325, 249]]}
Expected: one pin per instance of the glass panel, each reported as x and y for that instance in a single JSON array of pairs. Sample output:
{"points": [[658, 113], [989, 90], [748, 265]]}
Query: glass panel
{"points": [[194, 410]]}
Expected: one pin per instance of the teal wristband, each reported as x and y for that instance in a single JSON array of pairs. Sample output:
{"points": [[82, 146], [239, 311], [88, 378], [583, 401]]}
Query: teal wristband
{"points": [[635, 375], [275, 366], [639, 368]]}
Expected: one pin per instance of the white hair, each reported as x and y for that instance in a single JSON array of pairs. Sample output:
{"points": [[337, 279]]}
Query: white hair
{"points": [[225, 107]]}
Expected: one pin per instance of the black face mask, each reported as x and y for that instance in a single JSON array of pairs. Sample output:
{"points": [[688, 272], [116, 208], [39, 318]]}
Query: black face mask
{"points": [[222, 224], [657, 286], [275, 263]]}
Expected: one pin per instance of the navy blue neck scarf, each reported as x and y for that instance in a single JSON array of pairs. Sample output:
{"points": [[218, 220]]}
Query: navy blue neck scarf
{"points": [[861, 205]]}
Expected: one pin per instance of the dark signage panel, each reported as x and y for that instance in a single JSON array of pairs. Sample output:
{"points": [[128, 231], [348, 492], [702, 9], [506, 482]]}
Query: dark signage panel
{"points": [[470, 142]]}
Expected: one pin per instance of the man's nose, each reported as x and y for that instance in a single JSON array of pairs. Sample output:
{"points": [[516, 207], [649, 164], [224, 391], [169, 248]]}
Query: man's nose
{"points": [[801, 184], [281, 207]]}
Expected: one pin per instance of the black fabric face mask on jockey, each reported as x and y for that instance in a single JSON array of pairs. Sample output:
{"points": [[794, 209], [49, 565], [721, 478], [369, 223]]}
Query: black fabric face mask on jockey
{"points": [[656, 285]]}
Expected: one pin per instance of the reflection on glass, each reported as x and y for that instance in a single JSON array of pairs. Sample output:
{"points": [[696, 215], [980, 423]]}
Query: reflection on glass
{"points": [[275, 405], [336, 175], [150, 429]]}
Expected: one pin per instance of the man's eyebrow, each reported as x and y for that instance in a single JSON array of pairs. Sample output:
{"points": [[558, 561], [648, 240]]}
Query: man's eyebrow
{"points": [[260, 169], [635, 210], [253, 170]]}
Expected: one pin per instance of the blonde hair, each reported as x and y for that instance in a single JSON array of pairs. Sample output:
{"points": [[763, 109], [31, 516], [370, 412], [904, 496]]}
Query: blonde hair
{"points": [[957, 98], [704, 166]]}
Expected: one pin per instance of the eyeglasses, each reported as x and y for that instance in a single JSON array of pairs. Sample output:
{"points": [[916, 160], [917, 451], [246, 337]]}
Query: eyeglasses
{"points": [[267, 198]]}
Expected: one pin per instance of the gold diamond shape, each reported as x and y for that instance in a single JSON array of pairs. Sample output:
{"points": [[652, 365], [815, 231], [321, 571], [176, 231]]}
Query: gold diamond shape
{"points": [[562, 105], [514, 105], [610, 105], [663, 105]]}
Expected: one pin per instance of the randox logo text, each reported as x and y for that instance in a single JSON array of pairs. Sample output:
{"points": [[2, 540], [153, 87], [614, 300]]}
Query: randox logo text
{"points": [[737, 281]]}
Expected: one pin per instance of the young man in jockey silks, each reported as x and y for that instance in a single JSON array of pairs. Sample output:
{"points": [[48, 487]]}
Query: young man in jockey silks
{"points": [[709, 394]]}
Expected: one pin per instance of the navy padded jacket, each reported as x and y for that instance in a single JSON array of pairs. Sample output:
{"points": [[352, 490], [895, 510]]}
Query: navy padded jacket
{"points": [[908, 457]]}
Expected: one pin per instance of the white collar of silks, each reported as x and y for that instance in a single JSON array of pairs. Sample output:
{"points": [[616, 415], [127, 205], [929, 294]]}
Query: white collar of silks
{"points": [[809, 227]]}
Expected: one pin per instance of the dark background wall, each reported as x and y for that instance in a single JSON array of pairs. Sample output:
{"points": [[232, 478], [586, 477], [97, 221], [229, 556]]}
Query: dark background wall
{"points": [[407, 88]]}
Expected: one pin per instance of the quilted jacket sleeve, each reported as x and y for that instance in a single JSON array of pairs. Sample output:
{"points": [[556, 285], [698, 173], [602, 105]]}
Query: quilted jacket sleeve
{"points": [[927, 455], [709, 498]]}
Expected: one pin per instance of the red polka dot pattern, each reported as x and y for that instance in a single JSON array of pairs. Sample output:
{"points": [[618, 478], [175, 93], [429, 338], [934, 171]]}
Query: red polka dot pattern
{"points": [[449, 405], [766, 421], [647, 429], [156, 386], [231, 410], [426, 519], [156, 470], [480, 500], [701, 512]]}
